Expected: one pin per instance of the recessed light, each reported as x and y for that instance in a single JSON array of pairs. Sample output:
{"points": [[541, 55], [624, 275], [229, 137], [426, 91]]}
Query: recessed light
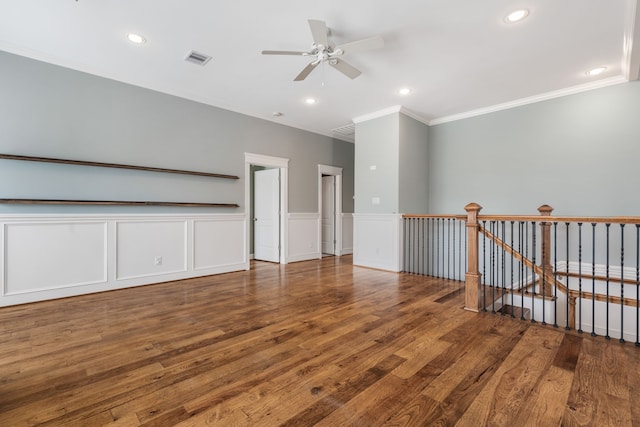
{"points": [[596, 71], [404, 91], [276, 114], [136, 38], [516, 15], [310, 101]]}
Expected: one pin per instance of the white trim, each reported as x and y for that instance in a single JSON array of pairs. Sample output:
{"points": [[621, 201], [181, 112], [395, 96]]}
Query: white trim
{"points": [[377, 114], [630, 62], [414, 116], [337, 172], [106, 277], [269, 161], [304, 241], [377, 241], [3, 260], [531, 100], [185, 247], [274, 162], [631, 44], [347, 217]]}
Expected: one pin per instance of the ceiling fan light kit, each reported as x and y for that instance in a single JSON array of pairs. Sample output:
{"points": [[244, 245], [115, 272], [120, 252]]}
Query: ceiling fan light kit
{"points": [[324, 52]]}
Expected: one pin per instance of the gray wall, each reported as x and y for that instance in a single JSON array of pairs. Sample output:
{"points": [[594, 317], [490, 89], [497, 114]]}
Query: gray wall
{"points": [[50, 111], [579, 154], [377, 145], [414, 174]]}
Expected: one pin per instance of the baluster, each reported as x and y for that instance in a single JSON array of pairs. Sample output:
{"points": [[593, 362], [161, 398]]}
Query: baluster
{"points": [[443, 253], [621, 283], [511, 244], [448, 249], [493, 271], [437, 247], [593, 279], [423, 255], [484, 268], [453, 268], [567, 327], [405, 225], [637, 285], [407, 241], [413, 246], [466, 250], [460, 250], [417, 249], [555, 274], [504, 272], [522, 268], [579, 277], [607, 267], [431, 240], [533, 271], [543, 263]]}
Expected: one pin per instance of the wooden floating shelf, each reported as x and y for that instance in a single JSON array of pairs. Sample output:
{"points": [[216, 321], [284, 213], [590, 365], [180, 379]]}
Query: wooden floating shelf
{"points": [[114, 165], [115, 203]]}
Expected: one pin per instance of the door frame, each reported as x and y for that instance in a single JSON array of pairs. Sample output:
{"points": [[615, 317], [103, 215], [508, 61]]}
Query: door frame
{"points": [[269, 162], [337, 172]]}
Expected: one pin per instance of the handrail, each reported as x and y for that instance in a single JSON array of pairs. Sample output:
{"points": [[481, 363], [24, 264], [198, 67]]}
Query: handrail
{"points": [[559, 219], [434, 216]]}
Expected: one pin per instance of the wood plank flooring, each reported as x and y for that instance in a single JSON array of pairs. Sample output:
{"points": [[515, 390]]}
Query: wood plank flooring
{"points": [[312, 343]]}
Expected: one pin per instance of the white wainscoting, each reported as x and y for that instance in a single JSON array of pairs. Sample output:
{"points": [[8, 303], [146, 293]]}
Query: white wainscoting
{"points": [[347, 233], [376, 241], [303, 237], [53, 256]]}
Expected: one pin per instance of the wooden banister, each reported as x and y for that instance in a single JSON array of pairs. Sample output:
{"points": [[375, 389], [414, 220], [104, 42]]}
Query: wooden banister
{"points": [[472, 277], [545, 262]]}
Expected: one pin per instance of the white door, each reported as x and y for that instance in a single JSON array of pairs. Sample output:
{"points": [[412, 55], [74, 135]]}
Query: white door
{"points": [[266, 225], [328, 215]]}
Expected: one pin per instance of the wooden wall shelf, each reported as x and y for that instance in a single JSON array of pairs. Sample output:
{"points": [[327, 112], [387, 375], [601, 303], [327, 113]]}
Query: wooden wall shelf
{"points": [[113, 165], [115, 203]]}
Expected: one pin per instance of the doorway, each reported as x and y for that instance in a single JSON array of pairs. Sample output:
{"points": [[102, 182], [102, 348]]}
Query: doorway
{"points": [[330, 210], [266, 207], [328, 216], [266, 215]]}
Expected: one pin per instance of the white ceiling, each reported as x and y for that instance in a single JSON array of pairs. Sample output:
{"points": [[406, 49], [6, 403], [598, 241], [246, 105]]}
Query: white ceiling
{"points": [[458, 56]]}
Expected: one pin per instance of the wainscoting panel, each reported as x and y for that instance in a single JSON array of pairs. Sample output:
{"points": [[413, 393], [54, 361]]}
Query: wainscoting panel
{"points": [[217, 244], [347, 233], [54, 256], [303, 237], [42, 256], [376, 241], [149, 248]]}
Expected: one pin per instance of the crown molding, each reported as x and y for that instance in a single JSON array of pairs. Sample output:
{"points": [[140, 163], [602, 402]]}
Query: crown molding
{"points": [[531, 100], [377, 114], [631, 42]]}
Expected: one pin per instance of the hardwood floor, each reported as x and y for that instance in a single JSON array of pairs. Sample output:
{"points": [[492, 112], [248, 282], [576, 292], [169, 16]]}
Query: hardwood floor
{"points": [[312, 343]]}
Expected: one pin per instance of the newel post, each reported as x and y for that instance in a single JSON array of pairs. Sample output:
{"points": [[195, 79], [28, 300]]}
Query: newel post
{"points": [[472, 277], [545, 262]]}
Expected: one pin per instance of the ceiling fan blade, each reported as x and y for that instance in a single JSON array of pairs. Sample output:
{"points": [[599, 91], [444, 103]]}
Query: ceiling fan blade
{"points": [[361, 45], [345, 68], [282, 52], [307, 70], [319, 32]]}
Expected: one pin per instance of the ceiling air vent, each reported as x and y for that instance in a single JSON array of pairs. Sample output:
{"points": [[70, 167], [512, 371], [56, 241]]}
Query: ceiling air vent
{"points": [[197, 58], [346, 133]]}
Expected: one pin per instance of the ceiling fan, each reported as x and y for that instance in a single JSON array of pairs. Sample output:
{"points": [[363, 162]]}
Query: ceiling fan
{"points": [[324, 51]]}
